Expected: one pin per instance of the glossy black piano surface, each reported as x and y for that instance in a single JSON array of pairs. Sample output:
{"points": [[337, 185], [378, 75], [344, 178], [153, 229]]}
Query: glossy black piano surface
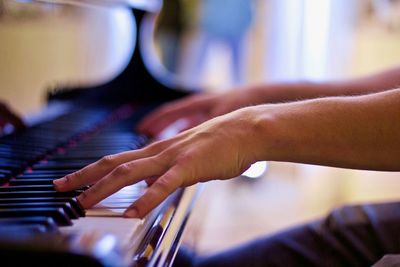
{"points": [[94, 122]]}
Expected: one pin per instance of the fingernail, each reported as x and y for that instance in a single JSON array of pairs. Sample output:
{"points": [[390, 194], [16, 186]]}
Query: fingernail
{"points": [[131, 213], [60, 182]]}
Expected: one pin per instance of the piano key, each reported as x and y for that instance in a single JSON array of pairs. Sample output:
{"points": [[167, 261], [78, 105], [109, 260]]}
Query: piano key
{"points": [[58, 214], [28, 188], [20, 182], [72, 201], [65, 206], [6, 172], [12, 162], [34, 176], [60, 166], [105, 212], [16, 228], [47, 172], [33, 194], [124, 229], [47, 222]]}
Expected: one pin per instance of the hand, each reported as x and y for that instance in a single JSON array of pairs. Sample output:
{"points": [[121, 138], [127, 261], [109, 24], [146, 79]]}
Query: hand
{"points": [[198, 108], [218, 149], [8, 117]]}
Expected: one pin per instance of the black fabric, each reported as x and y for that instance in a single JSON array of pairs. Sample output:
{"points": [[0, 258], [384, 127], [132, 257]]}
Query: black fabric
{"points": [[349, 236]]}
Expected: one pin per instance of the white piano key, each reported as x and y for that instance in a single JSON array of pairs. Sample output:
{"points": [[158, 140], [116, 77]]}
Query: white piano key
{"points": [[116, 204], [112, 205], [121, 228], [105, 212]]}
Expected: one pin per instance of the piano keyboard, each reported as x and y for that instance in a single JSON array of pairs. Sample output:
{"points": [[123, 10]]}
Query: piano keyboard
{"points": [[31, 160]]}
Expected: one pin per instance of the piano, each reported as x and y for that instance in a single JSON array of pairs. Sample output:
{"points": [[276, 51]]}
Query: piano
{"points": [[42, 227]]}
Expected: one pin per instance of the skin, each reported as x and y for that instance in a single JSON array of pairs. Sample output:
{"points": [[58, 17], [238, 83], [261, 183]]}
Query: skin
{"points": [[201, 107], [358, 131]]}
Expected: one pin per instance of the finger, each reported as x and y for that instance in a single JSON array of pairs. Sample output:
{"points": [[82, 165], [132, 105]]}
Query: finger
{"points": [[155, 194], [162, 132], [123, 175], [151, 180], [95, 171], [169, 113]]}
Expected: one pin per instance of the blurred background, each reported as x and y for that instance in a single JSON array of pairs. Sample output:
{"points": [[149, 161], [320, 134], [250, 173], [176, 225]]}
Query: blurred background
{"points": [[217, 45]]}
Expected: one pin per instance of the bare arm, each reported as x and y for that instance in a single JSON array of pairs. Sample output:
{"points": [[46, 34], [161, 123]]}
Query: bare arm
{"points": [[281, 92], [354, 132], [201, 107]]}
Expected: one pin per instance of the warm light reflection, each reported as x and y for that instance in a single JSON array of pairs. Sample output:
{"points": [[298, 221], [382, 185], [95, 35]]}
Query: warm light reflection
{"points": [[316, 28], [256, 170]]}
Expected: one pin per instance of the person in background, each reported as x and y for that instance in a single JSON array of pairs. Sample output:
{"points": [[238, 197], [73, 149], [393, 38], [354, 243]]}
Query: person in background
{"points": [[349, 124], [224, 23], [170, 28]]}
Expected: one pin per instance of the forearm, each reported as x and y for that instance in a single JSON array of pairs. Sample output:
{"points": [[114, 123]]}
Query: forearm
{"points": [[354, 132], [285, 92]]}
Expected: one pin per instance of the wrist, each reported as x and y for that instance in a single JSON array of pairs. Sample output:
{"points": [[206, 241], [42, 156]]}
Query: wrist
{"points": [[261, 140]]}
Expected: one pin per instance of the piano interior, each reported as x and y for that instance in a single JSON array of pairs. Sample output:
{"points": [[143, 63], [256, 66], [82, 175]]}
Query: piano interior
{"points": [[40, 226]]}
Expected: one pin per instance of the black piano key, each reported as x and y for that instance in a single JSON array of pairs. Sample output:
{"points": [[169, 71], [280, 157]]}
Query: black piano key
{"points": [[17, 228], [58, 214], [33, 194], [27, 188], [51, 162], [14, 153], [60, 166], [3, 178], [34, 176], [47, 222], [72, 201], [65, 206], [38, 173], [20, 182], [6, 172], [12, 163]]}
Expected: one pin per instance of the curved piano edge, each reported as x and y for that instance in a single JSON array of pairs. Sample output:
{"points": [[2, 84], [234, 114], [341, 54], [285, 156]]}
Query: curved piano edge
{"points": [[147, 5], [161, 244]]}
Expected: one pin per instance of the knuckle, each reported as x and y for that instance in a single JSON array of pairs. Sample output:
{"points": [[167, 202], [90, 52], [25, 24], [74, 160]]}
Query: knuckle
{"points": [[160, 161], [163, 185], [156, 147], [185, 159], [107, 160], [122, 170]]}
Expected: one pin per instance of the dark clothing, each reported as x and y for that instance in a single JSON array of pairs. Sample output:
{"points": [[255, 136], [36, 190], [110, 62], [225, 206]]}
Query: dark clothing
{"points": [[349, 236]]}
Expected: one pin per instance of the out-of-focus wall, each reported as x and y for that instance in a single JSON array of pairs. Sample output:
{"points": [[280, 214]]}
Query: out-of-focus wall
{"points": [[44, 45]]}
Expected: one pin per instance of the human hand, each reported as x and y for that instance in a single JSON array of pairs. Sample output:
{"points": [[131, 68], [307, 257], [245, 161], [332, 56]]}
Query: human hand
{"points": [[217, 149], [7, 116], [198, 108]]}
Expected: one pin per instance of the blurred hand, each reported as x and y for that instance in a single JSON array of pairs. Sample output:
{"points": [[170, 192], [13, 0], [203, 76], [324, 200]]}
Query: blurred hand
{"points": [[197, 109], [7, 116], [183, 160]]}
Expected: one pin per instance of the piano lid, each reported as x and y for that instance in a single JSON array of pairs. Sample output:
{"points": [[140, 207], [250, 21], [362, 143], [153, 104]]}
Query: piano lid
{"points": [[104, 48], [148, 5]]}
